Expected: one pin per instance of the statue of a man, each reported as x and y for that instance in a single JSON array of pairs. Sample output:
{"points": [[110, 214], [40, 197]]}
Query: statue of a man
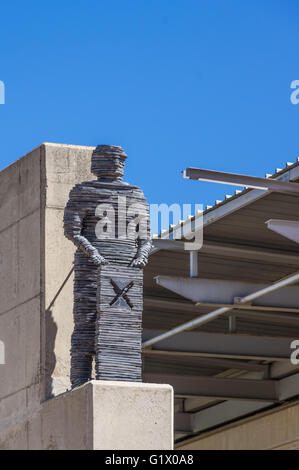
{"points": [[103, 218]]}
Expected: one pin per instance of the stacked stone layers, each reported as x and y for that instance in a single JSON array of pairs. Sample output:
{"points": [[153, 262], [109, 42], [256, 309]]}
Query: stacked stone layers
{"points": [[82, 215], [119, 323]]}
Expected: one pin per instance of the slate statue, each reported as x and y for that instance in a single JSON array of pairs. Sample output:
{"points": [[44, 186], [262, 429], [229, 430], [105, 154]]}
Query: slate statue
{"points": [[108, 221]]}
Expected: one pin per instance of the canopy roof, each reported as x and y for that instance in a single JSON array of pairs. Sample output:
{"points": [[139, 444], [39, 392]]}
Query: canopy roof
{"points": [[240, 362]]}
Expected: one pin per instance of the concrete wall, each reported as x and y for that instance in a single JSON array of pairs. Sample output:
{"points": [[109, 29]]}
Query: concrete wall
{"points": [[65, 165], [274, 429], [20, 288], [35, 259]]}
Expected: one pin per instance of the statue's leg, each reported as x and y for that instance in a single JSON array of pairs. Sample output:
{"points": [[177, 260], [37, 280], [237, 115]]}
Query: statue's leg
{"points": [[82, 351], [82, 342]]}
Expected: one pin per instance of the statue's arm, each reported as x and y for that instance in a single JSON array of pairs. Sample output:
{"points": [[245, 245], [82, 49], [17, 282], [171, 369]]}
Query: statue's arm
{"points": [[143, 251], [144, 245], [73, 221]]}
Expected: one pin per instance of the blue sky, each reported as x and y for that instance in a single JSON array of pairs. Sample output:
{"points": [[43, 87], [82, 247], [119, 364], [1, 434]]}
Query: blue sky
{"points": [[177, 84]]}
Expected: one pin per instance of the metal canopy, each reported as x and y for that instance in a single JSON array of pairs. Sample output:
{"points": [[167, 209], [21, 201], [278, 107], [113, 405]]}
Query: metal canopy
{"points": [[240, 251]]}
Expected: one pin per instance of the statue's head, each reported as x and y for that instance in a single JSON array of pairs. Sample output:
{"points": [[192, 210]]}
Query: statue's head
{"points": [[108, 161]]}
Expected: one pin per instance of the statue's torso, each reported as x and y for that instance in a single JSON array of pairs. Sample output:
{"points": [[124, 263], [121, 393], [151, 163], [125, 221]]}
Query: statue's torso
{"points": [[119, 244]]}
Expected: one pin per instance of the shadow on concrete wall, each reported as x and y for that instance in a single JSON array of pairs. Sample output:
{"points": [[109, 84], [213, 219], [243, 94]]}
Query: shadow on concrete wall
{"points": [[51, 332]]}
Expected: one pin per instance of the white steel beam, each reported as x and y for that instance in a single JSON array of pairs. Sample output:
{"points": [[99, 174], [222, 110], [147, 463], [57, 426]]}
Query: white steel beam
{"points": [[211, 362], [231, 346], [222, 388], [221, 413], [230, 206], [242, 180], [217, 415], [223, 292], [201, 320], [234, 251], [288, 387], [254, 312], [281, 369], [286, 228], [193, 263], [269, 315], [158, 303]]}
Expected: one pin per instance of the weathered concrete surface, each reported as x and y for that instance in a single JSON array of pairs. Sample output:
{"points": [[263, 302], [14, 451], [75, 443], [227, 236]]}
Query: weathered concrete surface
{"points": [[20, 293], [273, 429], [99, 415], [65, 165], [20, 188], [64, 422], [132, 415], [20, 262], [17, 411], [20, 231], [20, 330]]}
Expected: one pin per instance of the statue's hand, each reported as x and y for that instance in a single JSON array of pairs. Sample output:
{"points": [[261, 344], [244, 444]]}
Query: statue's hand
{"points": [[98, 259], [139, 262]]}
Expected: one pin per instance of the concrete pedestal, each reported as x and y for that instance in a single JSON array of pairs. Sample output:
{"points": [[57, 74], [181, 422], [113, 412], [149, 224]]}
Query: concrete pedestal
{"points": [[106, 415]]}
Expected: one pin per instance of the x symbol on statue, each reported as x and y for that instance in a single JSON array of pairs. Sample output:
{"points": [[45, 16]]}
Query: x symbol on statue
{"points": [[121, 288]]}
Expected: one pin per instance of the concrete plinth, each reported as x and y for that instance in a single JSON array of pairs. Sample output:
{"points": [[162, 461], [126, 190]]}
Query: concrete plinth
{"points": [[107, 415]]}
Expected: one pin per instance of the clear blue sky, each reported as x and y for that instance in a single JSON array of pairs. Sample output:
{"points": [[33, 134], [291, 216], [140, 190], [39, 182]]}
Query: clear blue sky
{"points": [[177, 84]]}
